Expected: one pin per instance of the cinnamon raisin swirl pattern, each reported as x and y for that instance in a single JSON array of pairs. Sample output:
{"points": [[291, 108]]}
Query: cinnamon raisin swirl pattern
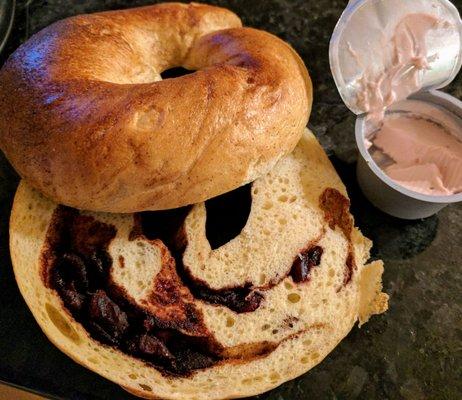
{"points": [[146, 301]]}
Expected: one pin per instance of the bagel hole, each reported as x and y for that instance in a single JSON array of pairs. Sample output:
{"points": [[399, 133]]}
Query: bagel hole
{"points": [[163, 225], [227, 221], [227, 215], [175, 72]]}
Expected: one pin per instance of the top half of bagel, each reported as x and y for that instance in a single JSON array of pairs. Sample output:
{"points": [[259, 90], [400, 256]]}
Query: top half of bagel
{"points": [[182, 313], [86, 118]]}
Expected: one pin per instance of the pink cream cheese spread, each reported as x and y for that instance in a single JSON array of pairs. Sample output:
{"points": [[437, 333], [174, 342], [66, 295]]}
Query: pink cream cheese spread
{"points": [[420, 154], [402, 75]]}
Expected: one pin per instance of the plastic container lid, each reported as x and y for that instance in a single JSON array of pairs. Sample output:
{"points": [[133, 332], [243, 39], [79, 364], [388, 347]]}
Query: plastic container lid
{"points": [[360, 33]]}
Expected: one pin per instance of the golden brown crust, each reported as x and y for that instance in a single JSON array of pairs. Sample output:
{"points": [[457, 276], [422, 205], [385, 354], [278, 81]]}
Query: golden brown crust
{"points": [[85, 120]]}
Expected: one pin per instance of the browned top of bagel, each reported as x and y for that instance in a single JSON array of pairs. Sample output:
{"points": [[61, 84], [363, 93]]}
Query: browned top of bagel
{"points": [[87, 120]]}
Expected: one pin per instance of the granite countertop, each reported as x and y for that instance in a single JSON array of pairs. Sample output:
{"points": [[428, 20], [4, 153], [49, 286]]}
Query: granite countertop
{"points": [[413, 352]]}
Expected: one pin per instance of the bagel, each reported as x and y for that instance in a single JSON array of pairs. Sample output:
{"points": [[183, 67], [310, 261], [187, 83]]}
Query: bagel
{"points": [[184, 314], [86, 118]]}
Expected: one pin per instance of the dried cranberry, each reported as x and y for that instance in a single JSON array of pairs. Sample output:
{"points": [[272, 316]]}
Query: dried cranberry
{"points": [[149, 345], [165, 335], [240, 300], [102, 335], [58, 279], [107, 314], [150, 322], [72, 268], [99, 263], [188, 359], [73, 299], [68, 292], [248, 304], [306, 260]]}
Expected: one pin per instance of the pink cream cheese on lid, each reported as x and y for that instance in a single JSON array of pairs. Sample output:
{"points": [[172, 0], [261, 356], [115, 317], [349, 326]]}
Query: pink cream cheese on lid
{"points": [[403, 74], [419, 154]]}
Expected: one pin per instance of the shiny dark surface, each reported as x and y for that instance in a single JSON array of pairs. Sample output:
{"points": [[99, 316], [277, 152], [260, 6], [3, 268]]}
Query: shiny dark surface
{"points": [[411, 353]]}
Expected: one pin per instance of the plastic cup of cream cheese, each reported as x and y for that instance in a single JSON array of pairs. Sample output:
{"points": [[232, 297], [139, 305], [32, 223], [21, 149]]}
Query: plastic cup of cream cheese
{"points": [[388, 57], [383, 191]]}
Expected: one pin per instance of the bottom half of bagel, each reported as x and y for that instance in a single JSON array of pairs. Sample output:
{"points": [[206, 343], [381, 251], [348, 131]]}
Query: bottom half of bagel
{"points": [[225, 299]]}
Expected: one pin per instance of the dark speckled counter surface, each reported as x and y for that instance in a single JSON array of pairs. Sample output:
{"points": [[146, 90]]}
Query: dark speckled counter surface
{"points": [[413, 352]]}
